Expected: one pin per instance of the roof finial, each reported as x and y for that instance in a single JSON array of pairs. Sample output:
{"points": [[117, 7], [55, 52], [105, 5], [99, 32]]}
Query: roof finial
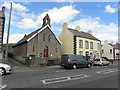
{"points": [[46, 20]]}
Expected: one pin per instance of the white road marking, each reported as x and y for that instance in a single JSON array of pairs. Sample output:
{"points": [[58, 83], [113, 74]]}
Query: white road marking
{"points": [[63, 79], [101, 71], [61, 71], [66, 70], [107, 71], [2, 86], [55, 80], [97, 67], [79, 76]]}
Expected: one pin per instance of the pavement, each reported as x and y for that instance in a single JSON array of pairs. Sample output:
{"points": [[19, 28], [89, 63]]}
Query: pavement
{"points": [[15, 64], [58, 77]]}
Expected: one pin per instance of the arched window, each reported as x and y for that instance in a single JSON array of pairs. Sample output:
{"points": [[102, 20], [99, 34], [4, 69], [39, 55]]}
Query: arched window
{"points": [[44, 37]]}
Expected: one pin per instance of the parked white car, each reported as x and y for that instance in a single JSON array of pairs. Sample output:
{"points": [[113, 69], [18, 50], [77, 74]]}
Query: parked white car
{"points": [[101, 61], [4, 68]]}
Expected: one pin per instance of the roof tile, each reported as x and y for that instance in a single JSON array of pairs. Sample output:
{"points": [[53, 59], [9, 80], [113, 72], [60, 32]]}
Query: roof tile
{"points": [[82, 34]]}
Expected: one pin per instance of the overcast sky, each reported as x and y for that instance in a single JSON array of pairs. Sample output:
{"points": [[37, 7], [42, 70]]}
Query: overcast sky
{"points": [[100, 17]]}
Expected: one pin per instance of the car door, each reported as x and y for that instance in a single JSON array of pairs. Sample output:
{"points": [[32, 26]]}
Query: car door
{"points": [[74, 59], [83, 61]]}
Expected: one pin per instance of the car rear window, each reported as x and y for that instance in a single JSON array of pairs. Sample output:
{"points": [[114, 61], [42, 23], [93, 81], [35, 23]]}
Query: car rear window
{"points": [[97, 59], [64, 57]]}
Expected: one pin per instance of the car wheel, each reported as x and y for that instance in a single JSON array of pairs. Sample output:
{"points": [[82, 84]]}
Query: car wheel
{"points": [[3, 71], [108, 64], [102, 64], [89, 65], [74, 66], [65, 67]]}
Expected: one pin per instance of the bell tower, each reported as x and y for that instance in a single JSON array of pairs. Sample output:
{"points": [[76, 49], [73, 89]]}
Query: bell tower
{"points": [[46, 20]]}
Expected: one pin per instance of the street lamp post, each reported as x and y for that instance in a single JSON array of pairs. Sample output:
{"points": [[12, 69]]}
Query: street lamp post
{"points": [[6, 54]]}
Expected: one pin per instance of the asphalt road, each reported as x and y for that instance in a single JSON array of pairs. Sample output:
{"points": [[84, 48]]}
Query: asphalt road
{"points": [[58, 77]]}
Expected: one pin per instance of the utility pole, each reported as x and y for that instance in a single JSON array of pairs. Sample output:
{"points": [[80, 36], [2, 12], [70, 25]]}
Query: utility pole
{"points": [[6, 53]]}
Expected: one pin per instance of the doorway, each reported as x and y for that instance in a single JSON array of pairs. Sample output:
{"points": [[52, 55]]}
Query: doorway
{"points": [[46, 51]]}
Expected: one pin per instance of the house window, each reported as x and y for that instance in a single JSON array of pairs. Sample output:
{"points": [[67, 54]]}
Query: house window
{"points": [[81, 52], [87, 53], [102, 51], [110, 51], [44, 37], [1, 22], [80, 43], [49, 38], [98, 46], [91, 45], [0, 39], [56, 50], [33, 48], [86, 44]]}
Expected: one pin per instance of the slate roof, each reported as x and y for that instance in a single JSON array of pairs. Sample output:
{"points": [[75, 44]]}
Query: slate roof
{"points": [[111, 44], [25, 38], [117, 46], [82, 34]]}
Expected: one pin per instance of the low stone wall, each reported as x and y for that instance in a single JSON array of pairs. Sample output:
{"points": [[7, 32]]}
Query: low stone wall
{"points": [[18, 58], [21, 59], [54, 61], [37, 61]]}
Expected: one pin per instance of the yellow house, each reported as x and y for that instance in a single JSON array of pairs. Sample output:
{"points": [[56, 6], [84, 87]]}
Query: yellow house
{"points": [[78, 42]]}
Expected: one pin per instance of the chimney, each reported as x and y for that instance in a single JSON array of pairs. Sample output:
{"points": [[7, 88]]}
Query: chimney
{"points": [[3, 10], [77, 28], [65, 26], [90, 32]]}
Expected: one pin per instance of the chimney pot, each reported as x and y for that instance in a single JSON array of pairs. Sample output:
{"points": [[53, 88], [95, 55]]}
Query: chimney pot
{"points": [[90, 32], [106, 41], [77, 28], [65, 25]]}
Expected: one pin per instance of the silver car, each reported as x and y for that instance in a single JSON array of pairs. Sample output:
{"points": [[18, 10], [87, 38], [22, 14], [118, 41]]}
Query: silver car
{"points": [[101, 61], [4, 68]]}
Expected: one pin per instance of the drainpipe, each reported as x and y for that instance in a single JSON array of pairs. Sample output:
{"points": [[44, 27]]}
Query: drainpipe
{"points": [[114, 53]]}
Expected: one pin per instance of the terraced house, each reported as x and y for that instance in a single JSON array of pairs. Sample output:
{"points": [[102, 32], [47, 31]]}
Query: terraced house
{"points": [[111, 51], [41, 44], [78, 42]]}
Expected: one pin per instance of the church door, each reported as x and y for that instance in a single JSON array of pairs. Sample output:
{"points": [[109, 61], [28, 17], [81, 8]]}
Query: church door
{"points": [[46, 51]]}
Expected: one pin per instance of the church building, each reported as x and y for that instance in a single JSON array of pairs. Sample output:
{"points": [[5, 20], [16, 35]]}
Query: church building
{"points": [[41, 43]]}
